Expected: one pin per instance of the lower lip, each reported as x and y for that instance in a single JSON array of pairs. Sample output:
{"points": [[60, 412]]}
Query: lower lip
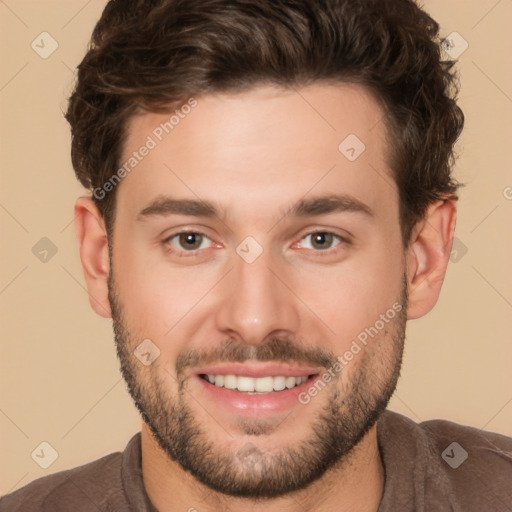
{"points": [[255, 405]]}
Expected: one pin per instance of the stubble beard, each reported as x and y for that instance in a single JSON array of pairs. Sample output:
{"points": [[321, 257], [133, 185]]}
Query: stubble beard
{"points": [[252, 471]]}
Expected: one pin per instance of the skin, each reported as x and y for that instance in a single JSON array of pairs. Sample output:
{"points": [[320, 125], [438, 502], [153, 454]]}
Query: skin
{"points": [[255, 154]]}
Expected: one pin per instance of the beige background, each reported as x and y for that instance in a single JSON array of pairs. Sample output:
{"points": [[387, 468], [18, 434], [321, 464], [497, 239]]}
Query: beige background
{"points": [[59, 375]]}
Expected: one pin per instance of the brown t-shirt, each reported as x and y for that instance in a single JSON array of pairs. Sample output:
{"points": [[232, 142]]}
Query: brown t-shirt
{"points": [[432, 466]]}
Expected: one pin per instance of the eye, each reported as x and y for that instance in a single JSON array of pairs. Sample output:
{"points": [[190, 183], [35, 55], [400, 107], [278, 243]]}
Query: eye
{"points": [[321, 241], [188, 241]]}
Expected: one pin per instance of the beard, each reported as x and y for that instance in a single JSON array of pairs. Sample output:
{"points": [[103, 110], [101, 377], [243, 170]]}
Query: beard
{"points": [[351, 410]]}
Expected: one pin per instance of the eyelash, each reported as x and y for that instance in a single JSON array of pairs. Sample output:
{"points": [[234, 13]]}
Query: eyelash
{"points": [[343, 241]]}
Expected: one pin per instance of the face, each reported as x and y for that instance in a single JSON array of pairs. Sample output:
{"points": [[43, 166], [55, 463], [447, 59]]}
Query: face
{"points": [[264, 264]]}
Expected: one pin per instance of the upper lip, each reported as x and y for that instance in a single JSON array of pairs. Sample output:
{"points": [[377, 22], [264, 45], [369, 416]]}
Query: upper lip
{"points": [[256, 370]]}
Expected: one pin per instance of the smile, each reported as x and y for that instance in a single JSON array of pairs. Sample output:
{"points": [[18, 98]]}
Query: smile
{"points": [[265, 384]]}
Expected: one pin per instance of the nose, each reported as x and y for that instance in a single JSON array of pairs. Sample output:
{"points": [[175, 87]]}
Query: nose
{"points": [[256, 302]]}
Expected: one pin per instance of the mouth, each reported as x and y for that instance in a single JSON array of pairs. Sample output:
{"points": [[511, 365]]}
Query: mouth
{"points": [[260, 385], [254, 390]]}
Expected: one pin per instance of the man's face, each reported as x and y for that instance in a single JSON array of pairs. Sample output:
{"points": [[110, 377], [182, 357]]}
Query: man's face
{"points": [[260, 291]]}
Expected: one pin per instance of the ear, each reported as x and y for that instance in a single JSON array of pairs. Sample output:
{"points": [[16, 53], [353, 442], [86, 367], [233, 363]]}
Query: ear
{"points": [[428, 255], [92, 241]]}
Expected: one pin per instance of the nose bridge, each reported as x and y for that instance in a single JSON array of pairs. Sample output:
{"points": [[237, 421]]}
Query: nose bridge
{"points": [[255, 303]]}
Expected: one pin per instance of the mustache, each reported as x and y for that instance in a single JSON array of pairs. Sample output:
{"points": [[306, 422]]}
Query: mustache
{"points": [[277, 349]]}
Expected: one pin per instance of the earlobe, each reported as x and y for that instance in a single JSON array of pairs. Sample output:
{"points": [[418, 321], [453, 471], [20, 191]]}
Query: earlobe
{"points": [[428, 255], [93, 248]]}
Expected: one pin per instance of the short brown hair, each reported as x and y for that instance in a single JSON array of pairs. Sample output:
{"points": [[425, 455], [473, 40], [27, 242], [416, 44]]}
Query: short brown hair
{"points": [[153, 54]]}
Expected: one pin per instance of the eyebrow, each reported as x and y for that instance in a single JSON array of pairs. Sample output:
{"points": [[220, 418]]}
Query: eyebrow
{"points": [[330, 204], [163, 206]]}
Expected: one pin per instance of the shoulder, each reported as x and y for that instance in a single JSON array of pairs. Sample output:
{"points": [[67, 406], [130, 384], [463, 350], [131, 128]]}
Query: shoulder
{"points": [[478, 462], [483, 445], [84, 488], [470, 468]]}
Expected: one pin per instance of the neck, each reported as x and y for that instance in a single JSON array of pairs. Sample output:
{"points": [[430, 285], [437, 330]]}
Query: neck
{"points": [[356, 483]]}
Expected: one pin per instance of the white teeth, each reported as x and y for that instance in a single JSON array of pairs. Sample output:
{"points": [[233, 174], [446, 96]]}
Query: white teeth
{"points": [[258, 385], [279, 383], [230, 382], [245, 384], [290, 382], [264, 384]]}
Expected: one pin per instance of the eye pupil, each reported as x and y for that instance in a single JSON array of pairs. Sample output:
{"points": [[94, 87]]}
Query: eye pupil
{"points": [[190, 240], [322, 240]]}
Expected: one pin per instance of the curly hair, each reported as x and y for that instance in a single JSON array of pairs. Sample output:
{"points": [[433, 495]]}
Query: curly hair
{"points": [[152, 55]]}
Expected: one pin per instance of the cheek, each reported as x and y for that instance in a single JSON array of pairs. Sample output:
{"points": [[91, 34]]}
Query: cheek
{"points": [[159, 299], [350, 297], [162, 301], [137, 285]]}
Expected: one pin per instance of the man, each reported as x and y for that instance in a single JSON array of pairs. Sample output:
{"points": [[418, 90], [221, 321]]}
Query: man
{"points": [[271, 201]]}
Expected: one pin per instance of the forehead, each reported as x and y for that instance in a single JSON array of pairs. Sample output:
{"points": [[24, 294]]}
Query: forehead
{"points": [[261, 145]]}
